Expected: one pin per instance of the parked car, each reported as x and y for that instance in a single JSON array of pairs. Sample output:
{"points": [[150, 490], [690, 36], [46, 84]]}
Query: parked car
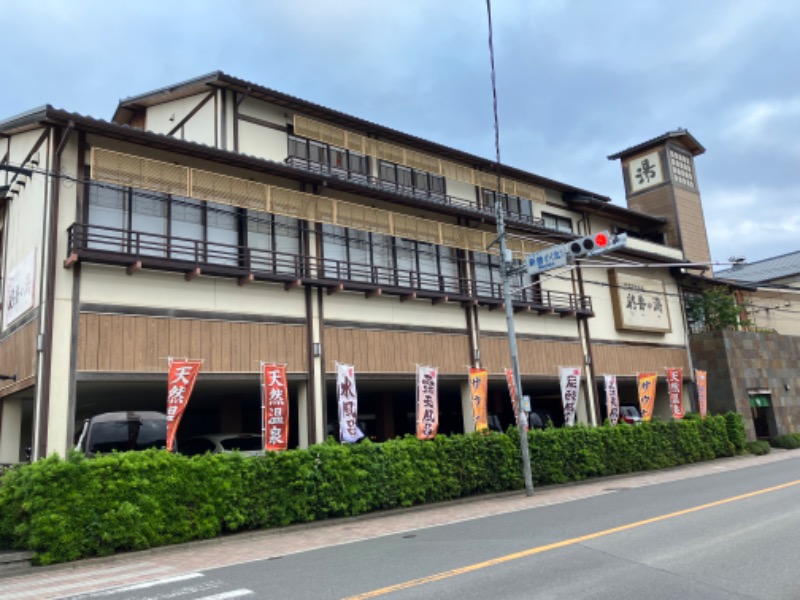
{"points": [[246, 443], [123, 431], [538, 419], [630, 415]]}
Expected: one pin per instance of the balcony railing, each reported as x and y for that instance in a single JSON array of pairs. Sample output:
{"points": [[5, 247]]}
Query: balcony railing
{"points": [[438, 198], [137, 249]]}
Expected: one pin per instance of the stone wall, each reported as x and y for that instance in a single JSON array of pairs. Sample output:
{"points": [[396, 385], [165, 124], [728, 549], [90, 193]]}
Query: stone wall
{"points": [[742, 361]]}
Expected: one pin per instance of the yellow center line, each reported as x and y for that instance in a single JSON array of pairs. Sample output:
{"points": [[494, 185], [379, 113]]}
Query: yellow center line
{"points": [[569, 542]]}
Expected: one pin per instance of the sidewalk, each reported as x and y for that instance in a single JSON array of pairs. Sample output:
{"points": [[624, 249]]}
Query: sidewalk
{"points": [[184, 560]]}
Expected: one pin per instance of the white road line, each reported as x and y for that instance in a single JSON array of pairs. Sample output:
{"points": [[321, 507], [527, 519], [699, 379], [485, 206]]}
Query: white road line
{"points": [[225, 595], [39, 591], [76, 574], [142, 586]]}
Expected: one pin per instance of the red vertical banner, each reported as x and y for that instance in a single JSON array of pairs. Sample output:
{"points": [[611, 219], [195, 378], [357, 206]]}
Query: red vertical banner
{"points": [[646, 382], [427, 403], [675, 388], [180, 383], [702, 391], [479, 387], [275, 405], [512, 391]]}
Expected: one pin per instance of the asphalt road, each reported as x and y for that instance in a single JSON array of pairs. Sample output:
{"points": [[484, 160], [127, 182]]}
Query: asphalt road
{"points": [[724, 535]]}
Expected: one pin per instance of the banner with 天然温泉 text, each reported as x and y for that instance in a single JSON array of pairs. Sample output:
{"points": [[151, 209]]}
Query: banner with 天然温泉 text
{"points": [[180, 383], [275, 407], [675, 388]]}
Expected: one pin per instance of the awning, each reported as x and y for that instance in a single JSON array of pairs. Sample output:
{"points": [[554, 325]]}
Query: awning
{"points": [[759, 400]]}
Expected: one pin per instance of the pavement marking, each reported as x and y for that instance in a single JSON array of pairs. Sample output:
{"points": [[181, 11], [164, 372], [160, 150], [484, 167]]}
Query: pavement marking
{"points": [[231, 594], [141, 586], [569, 542], [82, 575], [32, 591]]}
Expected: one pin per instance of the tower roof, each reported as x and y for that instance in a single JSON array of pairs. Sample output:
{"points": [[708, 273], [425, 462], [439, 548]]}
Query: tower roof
{"points": [[683, 136]]}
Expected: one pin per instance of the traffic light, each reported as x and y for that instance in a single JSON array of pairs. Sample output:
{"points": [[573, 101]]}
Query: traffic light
{"points": [[597, 243]]}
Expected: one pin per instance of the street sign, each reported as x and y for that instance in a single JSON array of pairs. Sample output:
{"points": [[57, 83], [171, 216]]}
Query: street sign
{"points": [[544, 260]]}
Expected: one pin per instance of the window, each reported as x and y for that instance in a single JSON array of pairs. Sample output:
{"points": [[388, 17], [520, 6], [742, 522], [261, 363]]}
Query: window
{"points": [[519, 209], [356, 255], [682, 171], [273, 242], [148, 223], [488, 281], [557, 222], [412, 181], [107, 215], [186, 226], [222, 235], [317, 156]]}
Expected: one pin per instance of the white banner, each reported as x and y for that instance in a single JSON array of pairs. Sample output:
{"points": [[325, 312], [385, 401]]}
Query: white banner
{"points": [[348, 404], [427, 403], [570, 391], [612, 399], [20, 291]]}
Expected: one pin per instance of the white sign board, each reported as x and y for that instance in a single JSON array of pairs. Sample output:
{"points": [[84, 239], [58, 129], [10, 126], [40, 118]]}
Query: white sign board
{"points": [[20, 289], [544, 260], [640, 303]]}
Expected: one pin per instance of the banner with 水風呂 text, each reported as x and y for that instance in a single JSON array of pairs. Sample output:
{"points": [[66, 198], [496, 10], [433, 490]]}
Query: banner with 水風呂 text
{"points": [[348, 404]]}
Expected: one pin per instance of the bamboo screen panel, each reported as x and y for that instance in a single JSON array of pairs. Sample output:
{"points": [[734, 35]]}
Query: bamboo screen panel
{"points": [[411, 158], [18, 353], [128, 170], [123, 169], [228, 190], [109, 342], [415, 228]]}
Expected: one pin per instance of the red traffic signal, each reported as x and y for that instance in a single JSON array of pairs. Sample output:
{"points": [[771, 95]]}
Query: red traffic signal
{"points": [[592, 245]]}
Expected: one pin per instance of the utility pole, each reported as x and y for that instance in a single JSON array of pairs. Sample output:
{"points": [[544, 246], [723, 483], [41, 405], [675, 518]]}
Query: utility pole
{"points": [[506, 269]]}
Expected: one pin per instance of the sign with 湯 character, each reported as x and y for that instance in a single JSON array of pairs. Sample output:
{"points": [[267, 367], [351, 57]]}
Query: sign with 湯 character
{"points": [[640, 303]]}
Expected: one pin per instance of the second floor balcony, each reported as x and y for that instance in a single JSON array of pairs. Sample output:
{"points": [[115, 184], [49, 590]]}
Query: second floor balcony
{"points": [[136, 250]]}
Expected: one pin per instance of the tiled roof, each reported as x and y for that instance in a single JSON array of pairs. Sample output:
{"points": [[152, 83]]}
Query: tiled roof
{"points": [[770, 269], [686, 138]]}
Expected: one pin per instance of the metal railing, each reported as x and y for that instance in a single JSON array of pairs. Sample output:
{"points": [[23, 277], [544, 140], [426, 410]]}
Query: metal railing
{"points": [[110, 245]]}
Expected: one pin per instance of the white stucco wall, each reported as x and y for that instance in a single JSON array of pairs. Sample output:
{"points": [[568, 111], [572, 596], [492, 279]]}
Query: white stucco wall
{"points": [[162, 118], [168, 290], [388, 310]]}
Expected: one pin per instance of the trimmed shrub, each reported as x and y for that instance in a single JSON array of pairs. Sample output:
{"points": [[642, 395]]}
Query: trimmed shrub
{"points": [[735, 424], [66, 509], [758, 448], [788, 441]]}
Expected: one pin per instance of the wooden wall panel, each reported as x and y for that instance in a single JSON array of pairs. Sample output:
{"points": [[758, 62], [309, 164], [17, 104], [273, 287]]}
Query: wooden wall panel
{"points": [[629, 360], [536, 357], [142, 344], [18, 356], [380, 351]]}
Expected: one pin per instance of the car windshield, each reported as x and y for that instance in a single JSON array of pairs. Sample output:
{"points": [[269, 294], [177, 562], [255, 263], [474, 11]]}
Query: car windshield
{"points": [[127, 435], [242, 443]]}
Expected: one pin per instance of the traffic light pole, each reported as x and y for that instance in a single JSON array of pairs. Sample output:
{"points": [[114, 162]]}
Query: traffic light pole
{"points": [[505, 272]]}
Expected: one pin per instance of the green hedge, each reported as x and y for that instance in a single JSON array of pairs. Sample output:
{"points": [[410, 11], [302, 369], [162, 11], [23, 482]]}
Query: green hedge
{"points": [[788, 441], [758, 448], [69, 509]]}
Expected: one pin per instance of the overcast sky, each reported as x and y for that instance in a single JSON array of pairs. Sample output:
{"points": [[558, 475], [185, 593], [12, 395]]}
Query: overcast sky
{"points": [[577, 80]]}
